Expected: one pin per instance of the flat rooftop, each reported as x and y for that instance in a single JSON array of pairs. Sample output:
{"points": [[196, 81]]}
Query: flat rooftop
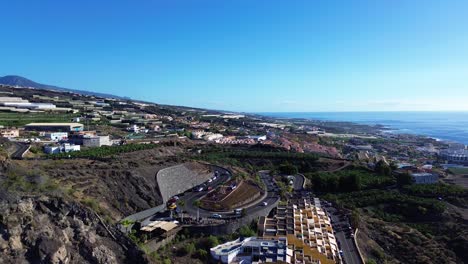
{"points": [[54, 124]]}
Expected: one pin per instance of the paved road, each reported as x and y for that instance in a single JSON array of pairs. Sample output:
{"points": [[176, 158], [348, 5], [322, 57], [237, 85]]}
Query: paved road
{"points": [[341, 226], [20, 150], [298, 182], [270, 197]]}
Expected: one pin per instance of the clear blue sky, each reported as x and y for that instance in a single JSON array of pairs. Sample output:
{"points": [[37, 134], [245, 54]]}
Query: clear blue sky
{"points": [[247, 55]]}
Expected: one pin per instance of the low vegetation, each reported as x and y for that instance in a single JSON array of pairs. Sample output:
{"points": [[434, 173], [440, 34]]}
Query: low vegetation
{"points": [[349, 180], [104, 151], [20, 119]]}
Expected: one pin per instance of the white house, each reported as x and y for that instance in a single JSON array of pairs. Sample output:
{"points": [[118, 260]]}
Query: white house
{"points": [[56, 149], [96, 141], [57, 136]]}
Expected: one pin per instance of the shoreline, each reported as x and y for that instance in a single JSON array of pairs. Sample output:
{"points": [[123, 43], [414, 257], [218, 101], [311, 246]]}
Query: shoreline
{"points": [[372, 125]]}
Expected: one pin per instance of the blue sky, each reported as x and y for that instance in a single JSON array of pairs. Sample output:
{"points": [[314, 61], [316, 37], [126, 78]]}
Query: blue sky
{"points": [[247, 55]]}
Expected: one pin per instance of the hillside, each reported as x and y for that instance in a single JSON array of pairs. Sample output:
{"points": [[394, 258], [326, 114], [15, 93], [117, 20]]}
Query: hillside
{"points": [[15, 80]]}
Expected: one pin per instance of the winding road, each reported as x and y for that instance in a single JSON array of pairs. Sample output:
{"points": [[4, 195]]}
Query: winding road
{"points": [[271, 196], [20, 150]]}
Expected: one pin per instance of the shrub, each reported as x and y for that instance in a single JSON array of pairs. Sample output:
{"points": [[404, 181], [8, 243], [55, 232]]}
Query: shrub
{"points": [[212, 241], [190, 248], [246, 231], [202, 254]]}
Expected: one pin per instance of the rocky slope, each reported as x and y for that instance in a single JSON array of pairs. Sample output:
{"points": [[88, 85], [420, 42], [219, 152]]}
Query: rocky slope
{"points": [[120, 186], [44, 229], [387, 242]]}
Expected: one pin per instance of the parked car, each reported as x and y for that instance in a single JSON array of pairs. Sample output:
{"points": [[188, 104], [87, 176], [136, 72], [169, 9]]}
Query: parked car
{"points": [[216, 216]]}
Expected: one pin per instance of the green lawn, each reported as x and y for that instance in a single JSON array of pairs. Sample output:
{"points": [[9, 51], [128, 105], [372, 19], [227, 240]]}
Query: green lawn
{"points": [[459, 171], [9, 119]]}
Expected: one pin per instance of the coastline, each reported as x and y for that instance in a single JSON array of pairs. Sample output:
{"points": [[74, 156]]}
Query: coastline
{"points": [[449, 127]]}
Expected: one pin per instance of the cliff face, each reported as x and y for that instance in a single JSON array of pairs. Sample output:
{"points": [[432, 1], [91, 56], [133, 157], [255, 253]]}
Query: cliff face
{"points": [[51, 230]]}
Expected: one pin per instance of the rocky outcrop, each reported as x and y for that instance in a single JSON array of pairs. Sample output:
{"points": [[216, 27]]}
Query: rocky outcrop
{"points": [[52, 230]]}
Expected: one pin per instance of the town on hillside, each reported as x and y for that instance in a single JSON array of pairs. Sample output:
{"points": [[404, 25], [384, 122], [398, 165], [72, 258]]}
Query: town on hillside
{"points": [[169, 184]]}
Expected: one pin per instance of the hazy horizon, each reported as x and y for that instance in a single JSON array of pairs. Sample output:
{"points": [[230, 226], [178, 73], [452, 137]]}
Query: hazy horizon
{"points": [[248, 56]]}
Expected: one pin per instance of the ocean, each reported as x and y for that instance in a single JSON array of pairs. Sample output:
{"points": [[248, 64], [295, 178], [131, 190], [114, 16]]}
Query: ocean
{"points": [[449, 126]]}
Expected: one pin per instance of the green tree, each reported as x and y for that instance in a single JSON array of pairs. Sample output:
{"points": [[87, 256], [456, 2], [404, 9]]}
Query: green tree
{"points": [[354, 219], [288, 169], [243, 212], [197, 203], [404, 179], [246, 231], [190, 248], [212, 241], [382, 168]]}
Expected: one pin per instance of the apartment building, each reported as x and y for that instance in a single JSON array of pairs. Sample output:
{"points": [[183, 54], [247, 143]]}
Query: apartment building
{"points": [[304, 222], [9, 133], [253, 250]]}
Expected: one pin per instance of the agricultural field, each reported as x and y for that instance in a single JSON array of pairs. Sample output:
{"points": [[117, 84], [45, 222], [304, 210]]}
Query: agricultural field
{"points": [[9, 119], [459, 171]]}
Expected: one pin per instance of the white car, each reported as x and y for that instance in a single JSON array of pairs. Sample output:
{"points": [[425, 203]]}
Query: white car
{"points": [[216, 216], [210, 180], [264, 203]]}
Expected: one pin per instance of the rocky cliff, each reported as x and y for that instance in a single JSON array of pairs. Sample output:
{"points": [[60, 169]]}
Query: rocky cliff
{"points": [[44, 229]]}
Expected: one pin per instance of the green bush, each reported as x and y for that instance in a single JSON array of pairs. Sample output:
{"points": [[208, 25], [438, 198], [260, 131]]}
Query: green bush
{"points": [[348, 180], [104, 151], [190, 248], [246, 231], [93, 204], [212, 241], [202, 254], [435, 190], [391, 203]]}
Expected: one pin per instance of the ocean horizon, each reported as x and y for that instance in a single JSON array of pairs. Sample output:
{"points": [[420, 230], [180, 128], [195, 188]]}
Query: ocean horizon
{"points": [[443, 125]]}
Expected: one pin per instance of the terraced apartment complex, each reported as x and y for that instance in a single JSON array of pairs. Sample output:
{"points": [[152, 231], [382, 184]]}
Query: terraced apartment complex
{"points": [[300, 232], [304, 222]]}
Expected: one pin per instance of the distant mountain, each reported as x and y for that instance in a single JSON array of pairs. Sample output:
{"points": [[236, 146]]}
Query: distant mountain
{"points": [[14, 80]]}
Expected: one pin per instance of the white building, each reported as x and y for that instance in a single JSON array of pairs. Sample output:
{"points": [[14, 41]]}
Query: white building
{"points": [[56, 149], [29, 105], [258, 138], [57, 136], [9, 133], [96, 141], [70, 147], [253, 250], [455, 154], [212, 137], [425, 178]]}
